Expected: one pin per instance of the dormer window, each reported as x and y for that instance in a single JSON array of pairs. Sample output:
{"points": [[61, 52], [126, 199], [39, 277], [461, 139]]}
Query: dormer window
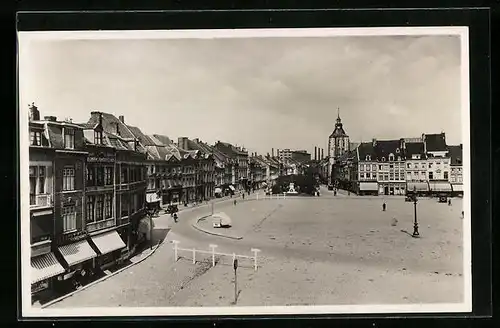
{"points": [[98, 137], [368, 158], [69, 138], [383, 159], [399, 158], [397, 150], [391, 157], [35, 138]]}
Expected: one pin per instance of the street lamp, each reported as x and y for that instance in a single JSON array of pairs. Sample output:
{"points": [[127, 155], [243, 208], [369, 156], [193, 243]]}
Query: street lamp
{"points": [[415, 224], [150, 211]]}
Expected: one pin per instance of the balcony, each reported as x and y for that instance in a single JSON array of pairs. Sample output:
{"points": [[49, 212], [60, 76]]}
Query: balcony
{"points": [[93, 226], [41, 200]]}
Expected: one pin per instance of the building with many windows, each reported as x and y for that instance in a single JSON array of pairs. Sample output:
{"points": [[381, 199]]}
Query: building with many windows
{"points": [[416, 166], [438, 163], [240, 166], [391, 176], [365, 169], [456, 169]]}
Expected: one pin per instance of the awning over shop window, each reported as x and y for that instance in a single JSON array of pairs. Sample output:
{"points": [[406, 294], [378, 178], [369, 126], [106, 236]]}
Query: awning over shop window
{"points": [[108, 242], [368, 186], [440, 186], [232, 187], [457, 187], [45, 266], [77, 252], [418, 186], [152, 198]]}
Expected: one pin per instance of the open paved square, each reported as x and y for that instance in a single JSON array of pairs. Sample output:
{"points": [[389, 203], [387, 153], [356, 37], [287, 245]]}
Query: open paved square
{"points": [[315, 251]]}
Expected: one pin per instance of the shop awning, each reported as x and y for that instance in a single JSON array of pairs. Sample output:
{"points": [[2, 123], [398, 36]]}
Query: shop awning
{"points": [[232, 187], [45, 266], [218, 190], [368, 186], [108, 242], [152, 197], [77, 252], [457, 187], [418, 186], [440, 186]]}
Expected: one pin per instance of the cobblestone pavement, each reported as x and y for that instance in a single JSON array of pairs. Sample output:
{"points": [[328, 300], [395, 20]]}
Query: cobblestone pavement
{"points": [[314, 251]]}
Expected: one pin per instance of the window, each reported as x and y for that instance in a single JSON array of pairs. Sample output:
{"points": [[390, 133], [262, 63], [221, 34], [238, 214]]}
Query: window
{"points": [[446, 175], [408, 165], [431, 176], [99, 208], [408, 176], [368, 167], [125, 199], [68, 178], [391, 176], [90, 176], [98, 137], [108, 175], [361, 175], [90, 209], [100, 176], [386, 177], [391, 166], [41, 180], [374, 167], [33, 178], [69, 218], [69, 138], [383, 159], [368, 158], [124, 175], [452, 179], [391, 157], [397, 150], [108, 206], [399, 158], [35, 138], [361, 167], [430, 165]]}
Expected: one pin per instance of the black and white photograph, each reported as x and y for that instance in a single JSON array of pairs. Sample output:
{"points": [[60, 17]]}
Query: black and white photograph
{"points": [[238, 172]]}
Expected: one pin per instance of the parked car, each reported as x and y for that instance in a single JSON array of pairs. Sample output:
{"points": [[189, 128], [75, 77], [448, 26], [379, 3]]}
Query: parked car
{"points": [[171, 209], [443, 199]]}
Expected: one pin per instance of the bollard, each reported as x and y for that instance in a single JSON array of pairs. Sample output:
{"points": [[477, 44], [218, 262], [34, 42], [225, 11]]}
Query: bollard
{"points": [[175, 249], [255, 251], [212, 246], [194, 256]]}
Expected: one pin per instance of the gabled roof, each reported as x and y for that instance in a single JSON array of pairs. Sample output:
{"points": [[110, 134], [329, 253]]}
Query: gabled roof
{"points": [[383, 148], [364, 149], [456, 154], [230, 150], [414, 148], [435, 142]]}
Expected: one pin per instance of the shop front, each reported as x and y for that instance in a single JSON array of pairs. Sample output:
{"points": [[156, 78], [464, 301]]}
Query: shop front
{"points": [[153, 200], [420, 188], [368, 188], [44, 268], [79, 258], [458, 190], [440, 188], [109, 246]]}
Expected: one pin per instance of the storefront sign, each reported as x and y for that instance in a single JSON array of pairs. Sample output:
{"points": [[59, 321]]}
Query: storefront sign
{"points": [[39, 286], [101, 158]]}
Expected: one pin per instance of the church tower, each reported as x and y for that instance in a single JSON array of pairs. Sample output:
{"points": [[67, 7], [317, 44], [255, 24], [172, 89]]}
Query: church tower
{"points": [[338, 144]]}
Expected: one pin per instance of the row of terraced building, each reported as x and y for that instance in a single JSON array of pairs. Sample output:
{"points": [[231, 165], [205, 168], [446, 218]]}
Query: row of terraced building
{"points": [[90, 184]]}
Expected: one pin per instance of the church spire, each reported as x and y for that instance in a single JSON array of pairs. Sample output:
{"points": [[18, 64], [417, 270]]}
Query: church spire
{"points": [[339, 121]]}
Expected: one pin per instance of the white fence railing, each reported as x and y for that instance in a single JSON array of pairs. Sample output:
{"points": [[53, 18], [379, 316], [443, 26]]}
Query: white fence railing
{"points": [[212, 252]]}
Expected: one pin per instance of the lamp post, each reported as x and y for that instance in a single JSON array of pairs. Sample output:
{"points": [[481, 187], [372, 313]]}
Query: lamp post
{"points": [[415, 224]]}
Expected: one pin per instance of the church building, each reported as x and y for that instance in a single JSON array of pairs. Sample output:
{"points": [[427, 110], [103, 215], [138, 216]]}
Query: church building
{"points": [[338, 145]]}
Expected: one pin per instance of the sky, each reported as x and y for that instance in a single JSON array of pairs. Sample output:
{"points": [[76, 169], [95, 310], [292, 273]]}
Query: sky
{"points": [[260, 93]]}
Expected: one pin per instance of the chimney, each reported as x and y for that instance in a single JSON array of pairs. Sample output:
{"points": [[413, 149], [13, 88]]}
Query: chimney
{"points": [[272, 152], [34, 113], [50, 118], [374, 142], [315, 153], [322, 152], [100, 118], [196, 140], [122, 119]]}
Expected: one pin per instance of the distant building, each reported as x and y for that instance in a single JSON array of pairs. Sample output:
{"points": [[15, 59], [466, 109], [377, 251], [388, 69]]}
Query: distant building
{"points": [[416, 166], [365, 169], [300, 156], [391, 166], [284, 155], [438, 163], [456, 167]]}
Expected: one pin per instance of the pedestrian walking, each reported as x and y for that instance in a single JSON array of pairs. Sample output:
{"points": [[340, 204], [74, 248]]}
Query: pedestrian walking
{"points": [[234, 202], [175, 217], [243, 195], [449, 202], [383, 207]]}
